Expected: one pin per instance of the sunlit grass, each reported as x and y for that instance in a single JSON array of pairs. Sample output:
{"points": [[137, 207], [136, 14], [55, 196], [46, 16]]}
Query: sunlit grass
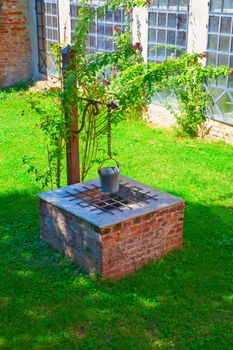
{"points": [[180, 302]]}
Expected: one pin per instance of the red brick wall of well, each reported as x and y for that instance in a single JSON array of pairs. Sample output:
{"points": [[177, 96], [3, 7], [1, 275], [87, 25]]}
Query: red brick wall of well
{"points": [[15, 47], [130, 245]]}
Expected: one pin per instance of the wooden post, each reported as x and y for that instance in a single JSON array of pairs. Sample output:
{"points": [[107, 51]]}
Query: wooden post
{"points": [[72, 145]]}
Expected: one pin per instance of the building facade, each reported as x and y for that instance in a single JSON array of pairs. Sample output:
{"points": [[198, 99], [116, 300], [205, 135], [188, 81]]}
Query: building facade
{"points": [[167, 27], [15, 42]]}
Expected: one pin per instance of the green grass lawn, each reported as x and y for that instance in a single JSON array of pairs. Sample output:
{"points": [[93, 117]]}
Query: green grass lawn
{"points": [[183, 301]]}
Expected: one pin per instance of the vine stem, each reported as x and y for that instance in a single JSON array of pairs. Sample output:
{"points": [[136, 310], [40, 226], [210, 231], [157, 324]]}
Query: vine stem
{"points": [[50, 168], [109, 134]]}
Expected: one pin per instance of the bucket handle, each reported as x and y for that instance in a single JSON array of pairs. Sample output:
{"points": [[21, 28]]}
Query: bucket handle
{"points": [[101, 164]]}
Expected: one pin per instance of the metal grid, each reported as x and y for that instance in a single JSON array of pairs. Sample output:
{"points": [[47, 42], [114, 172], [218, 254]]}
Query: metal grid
{"points": [[220, 52], [127, 198], [167, 29], [102, 30], [47, 32]]}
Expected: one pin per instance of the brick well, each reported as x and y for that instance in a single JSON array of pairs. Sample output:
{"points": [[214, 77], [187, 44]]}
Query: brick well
{"points": [[118, 248]]}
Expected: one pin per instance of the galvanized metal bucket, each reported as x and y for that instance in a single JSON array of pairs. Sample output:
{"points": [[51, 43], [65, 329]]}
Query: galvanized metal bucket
{"points": [[109, 177]]}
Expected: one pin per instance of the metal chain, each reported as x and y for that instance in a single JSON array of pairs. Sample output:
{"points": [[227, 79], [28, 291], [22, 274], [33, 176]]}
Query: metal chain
{"points": [[109, 134]]}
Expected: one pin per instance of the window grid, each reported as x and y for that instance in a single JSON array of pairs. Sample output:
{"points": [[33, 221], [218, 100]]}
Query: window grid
{"points": [[102, 31], [220, 52], [48, 33], [167, 29], [221, 6]]}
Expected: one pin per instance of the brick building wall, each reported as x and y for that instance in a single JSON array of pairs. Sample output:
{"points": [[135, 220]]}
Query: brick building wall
{"points": [[15, 45]]}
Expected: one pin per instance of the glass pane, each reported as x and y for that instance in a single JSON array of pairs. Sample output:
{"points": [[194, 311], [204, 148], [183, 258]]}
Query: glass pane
{"points": [[109, 16], [216, 5], [152, 19], [171, 37], [78, 9], [214, 113], [180, 52], [151, 51], [228, 6], [92, 41], [221, 81], [55, 22], [48, 43], [212, 58], [74, 11], [225, 25], [92, 9], [163, 4], [161, 52], [170, 52], [162, 20], [55, 35], [182, 22], [181, 38], [100, 28], [48, 33], [225, 104], [117, 16], [231, 62], [173, 5], [213, 42], [48, 21], [109, 29], [49, 62], [215, 92], [54, 9], [161, 36], [224, 43], [222, 60], [183, 5], [232, 44], [48, 8], [73, 24], [214, 24], [211, 81], [93, 28], [123, 17], [231, 82], [154, 3], [101, 43], [152, 35], [108, 44], [171, 20]]}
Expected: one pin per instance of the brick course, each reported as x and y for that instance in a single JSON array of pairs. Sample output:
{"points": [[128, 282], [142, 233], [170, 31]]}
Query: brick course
{"points": [[117, 250], [141, 240], [15, 46]]}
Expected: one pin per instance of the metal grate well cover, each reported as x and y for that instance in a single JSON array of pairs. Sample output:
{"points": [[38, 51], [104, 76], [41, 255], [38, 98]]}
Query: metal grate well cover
{"points": [[128, 197]]}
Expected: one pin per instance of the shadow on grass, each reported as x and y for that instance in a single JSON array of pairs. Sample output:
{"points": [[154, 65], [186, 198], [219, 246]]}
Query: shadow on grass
{"points": [[179, 302], [23, 86]]}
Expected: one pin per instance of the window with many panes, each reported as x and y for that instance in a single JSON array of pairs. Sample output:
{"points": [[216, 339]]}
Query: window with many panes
{"points": [[102, 30], [47, 32], [167, 28], [220, 52]]}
